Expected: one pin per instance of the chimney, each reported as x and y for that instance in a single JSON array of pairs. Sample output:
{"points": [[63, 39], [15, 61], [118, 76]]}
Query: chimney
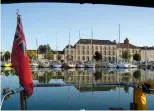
{"points": [[126, 41]]}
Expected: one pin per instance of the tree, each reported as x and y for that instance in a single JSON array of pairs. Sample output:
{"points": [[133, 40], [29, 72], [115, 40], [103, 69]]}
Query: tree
{"points": [[137, 75], [2, 56], [32, 54], [7, 55], [126, 89], [126, 77], [126, 55], [44, 49], [62, 61], [49, 55], [97, 56], [137, 57], [98, 75]]}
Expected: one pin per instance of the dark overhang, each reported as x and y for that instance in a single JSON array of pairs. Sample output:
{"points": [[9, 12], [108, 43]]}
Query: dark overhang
{"points": [[139, 3]]}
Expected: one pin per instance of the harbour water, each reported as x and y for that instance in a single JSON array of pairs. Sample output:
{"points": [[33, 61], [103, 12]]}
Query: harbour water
{"points": [[75, 97]]}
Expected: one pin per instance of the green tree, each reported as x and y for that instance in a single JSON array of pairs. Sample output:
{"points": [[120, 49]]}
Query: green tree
{"points": [[32, 54], [137, 57], [137, 75], [126, 89], [97, 56], [126, 55], [126, 77], [7, 55], [43, 49], [49, 55], [62, 61], [2, 56], [97, 75]]}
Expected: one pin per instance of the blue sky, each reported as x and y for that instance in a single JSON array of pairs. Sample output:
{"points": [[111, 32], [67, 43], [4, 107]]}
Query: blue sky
{"points": [[43, 20]]}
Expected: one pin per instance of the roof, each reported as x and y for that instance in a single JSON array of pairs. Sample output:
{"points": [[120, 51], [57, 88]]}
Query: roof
{"points": [[95, 41], [122, 45], [59, 52], [139, 3], [147, 48], [68, 46]]}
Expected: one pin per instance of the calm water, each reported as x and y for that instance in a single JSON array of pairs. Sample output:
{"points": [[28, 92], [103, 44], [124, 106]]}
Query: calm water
{"points": [[76, 98]]}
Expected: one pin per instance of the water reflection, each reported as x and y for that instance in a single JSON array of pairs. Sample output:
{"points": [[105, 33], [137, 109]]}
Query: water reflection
{"points": [[46, 75]]}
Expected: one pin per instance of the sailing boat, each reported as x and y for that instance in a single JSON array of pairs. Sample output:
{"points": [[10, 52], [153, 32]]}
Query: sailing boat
{"points": [[56, 64], [79, 64], [6, 63], [34, 63], [45, 63], [69, 64], [90, 64]]}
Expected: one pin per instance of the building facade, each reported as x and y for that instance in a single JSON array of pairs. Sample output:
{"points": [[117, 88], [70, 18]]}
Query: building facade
{"points": [[85, 49], [126, 46], [147, 53]]}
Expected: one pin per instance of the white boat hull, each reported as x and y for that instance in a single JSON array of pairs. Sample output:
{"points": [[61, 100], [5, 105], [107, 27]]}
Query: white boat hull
{"points": [[80, 66], [56, 65], [123, 65]]}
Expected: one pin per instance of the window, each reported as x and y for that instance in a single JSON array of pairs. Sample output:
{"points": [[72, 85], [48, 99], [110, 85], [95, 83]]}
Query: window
{"points": [[78, 58], [83, 58], [79, 52], [96, 48]]}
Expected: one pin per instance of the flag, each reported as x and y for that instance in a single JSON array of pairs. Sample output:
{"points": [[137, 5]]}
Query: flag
{"points": [[20, 60]]}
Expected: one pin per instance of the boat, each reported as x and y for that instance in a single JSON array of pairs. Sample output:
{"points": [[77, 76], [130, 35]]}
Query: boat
{"points": [[69, 64], [112, 65], [133, 66], [44, 64], [56, 65], [34, 64], [79, 64], [89, 65], [123, 65], [7, 64]]}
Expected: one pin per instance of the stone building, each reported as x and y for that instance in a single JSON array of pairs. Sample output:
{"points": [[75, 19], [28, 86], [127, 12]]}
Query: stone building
{"points": [[126, 45], [85, 49], [147, 53]]}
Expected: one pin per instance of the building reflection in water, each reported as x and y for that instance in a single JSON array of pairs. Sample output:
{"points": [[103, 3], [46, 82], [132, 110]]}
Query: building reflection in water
{"points": [[78, 76]]}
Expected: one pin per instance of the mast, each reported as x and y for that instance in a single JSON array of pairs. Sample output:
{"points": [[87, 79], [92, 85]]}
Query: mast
{"points": [[92, 42], [69, 41], [56, 48], [119, 38], [79, 37], [37, 49]]}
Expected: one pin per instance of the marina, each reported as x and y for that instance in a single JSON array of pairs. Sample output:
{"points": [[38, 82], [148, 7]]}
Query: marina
{"points": [[81, 96]]}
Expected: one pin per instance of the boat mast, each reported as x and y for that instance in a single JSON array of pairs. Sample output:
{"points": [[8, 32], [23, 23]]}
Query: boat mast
{"points": [[92, 42], [56, 48], [37, 49], [47, 48], [69, 44], [119, 37]]}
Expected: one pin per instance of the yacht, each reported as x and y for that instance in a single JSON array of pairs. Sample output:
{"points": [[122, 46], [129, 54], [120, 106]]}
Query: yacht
{"points": [[7, 64], [79, 64], [34, 64], [89, 65], [56, 65], [69, 64], [123, 65], [44, 64], [112, 65]]}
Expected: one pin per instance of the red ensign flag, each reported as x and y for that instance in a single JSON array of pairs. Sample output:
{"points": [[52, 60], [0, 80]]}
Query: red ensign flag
{"points": [[20, 60]]}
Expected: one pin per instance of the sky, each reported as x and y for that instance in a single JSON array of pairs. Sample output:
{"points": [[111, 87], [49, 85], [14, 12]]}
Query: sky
{"points": [[44, 20]]}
